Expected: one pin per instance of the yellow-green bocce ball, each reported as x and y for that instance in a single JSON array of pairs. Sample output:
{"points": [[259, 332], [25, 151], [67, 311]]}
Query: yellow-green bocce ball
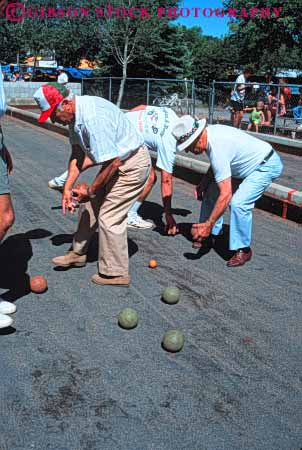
{"points": [[173, 341], [128, 318], [171, 295]]}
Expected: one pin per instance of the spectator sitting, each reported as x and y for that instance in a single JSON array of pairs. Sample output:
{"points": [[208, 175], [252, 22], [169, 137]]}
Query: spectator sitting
{"points": [[274, 105], [286, 91], [297, 111], [256, 117], [267, 116]]}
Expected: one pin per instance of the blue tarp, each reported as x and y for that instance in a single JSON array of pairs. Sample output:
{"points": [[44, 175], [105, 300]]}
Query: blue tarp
{"points": [[75, 73], [78, 73]]}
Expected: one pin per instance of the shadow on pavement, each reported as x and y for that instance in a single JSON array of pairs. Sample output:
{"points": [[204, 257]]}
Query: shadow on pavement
{"points": [[15, 252], [155, 212], [220, 244], [7, 331]]}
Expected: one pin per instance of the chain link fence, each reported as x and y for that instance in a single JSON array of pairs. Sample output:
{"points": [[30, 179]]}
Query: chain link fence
{"points": [[176, 94], [278, 107]]}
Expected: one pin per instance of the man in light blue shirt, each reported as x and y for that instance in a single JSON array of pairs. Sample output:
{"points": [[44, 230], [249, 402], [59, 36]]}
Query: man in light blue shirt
{"points": [[232, 153], [7, 216], [100, 134]]}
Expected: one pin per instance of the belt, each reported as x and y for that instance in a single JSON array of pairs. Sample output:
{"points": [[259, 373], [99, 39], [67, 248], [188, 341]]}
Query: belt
{"points": [[268, 156]]}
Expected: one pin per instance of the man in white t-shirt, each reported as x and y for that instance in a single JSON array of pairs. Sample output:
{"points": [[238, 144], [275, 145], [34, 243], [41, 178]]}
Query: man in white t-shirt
{"points": [[100, 134], [237, 98], [232, 153], [155, 124], [62, 76]]}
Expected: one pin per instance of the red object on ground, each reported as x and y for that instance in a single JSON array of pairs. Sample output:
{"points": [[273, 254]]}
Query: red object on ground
{"points": [[152, 263], [38, 284], [247, 340]]}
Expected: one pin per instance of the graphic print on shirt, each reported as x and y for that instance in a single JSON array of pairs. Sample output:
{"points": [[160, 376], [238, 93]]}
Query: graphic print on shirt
{"points": [[154, 118]]}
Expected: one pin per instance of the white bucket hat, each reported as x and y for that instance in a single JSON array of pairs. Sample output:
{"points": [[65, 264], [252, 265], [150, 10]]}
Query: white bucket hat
{"points": [[187, 130], [60, 68]]}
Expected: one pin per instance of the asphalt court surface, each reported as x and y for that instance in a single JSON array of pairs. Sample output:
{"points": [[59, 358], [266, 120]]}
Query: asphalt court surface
{"points": [[71, 379]]}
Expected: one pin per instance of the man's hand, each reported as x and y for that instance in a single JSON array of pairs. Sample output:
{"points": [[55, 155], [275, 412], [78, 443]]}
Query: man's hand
{"points": [[201, 231], [9, 161], [68, 203], [171, 226], [81, 192]]}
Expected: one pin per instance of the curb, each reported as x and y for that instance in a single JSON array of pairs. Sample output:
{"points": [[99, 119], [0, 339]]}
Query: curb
{"points": [[276, 191]]}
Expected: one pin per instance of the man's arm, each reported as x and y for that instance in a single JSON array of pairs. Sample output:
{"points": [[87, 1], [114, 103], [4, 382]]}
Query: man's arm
{"points": [[167, 192], [202, 186], [107, 171], [203, 230], [77, 163], [105, 174]]}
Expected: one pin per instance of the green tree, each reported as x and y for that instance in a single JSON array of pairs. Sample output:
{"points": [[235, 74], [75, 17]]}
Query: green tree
{"points": [[268, 43]]}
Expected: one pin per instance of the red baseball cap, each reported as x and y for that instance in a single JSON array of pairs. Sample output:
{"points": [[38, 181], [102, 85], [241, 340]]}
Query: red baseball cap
{"points": [[48, 97]]}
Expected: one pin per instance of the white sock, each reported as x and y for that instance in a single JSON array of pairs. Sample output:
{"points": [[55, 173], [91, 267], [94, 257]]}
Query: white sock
{"points": [[134, 209]]}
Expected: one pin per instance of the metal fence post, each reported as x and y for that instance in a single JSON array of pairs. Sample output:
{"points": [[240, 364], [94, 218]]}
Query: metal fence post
{"points": [[148, 90], [193, 97], [110, 89], [212, 103], [277, 110], [82, 86]]}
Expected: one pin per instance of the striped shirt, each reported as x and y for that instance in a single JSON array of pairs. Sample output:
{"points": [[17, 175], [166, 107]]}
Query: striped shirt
{"points": [[102, 130]]}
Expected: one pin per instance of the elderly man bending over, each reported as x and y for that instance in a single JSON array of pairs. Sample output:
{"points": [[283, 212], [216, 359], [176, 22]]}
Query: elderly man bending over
{"points": [[100, 134]]}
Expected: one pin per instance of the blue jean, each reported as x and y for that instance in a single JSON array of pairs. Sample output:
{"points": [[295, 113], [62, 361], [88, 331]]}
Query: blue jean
{"points": [[297, 112], [242, 203], [61, 179]]}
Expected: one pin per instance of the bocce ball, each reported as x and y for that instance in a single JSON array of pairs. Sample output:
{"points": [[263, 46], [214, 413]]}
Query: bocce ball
{"points": [[173, 341], [171, 295], [152, 263], [38, 284], [128, 318]]}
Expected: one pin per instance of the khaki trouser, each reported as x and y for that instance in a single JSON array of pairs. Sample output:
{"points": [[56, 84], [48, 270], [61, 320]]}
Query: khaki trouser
{"points": [[109, 210]]}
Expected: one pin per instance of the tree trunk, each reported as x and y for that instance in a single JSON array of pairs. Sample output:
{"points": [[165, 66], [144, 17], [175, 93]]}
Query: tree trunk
{"points": [[123, 80]]}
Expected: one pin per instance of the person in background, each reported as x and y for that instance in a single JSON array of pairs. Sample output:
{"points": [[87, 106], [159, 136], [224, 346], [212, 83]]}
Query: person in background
{"points": [[237, 98], [297, 111], [257, 116], [62, 76], [268, 79]]}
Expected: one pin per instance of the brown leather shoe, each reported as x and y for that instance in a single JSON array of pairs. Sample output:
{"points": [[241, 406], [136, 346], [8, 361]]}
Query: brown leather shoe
{"points": [[70, 259], [110, 281], [240, 258]]}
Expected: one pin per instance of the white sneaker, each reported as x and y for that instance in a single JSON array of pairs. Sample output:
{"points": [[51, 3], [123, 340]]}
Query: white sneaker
{"points": [[138, 222], [7, 307], [5, 321], [52, 184]]}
